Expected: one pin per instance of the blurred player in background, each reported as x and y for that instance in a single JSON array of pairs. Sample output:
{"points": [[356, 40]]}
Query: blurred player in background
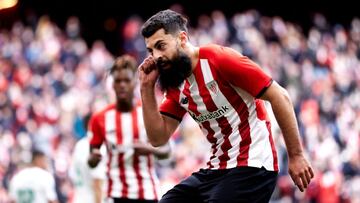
{"points": [[34, 184], [88, 182], [223, 91], [130, 169]]}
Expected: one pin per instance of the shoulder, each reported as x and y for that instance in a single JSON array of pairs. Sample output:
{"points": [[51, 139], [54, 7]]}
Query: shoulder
{"points": [[172, 93], [83, 143], [102, 112], [45, 175], [210, 50]]}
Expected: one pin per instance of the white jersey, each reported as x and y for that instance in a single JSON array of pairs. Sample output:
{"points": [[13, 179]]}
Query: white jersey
{"points": [[33, 185], [82, 175]]}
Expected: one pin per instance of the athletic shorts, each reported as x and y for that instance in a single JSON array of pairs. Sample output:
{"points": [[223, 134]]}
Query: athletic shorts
{"points": [[125, 200], [242, 184]]}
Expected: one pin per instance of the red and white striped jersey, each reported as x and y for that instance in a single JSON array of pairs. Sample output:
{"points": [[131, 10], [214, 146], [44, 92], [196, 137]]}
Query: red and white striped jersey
{"points": [[128, 176], [221, 96]]}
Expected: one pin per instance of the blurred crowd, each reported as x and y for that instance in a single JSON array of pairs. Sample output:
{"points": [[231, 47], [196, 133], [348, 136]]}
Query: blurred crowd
{"points": [[50, 79]]}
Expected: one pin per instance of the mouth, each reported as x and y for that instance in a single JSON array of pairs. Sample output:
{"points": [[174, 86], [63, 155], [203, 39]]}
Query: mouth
{"points": [[122, 94], [163, 65]]}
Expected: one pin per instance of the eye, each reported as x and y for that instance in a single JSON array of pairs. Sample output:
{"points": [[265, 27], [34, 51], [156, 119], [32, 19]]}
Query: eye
{"points": [[161, 46]]}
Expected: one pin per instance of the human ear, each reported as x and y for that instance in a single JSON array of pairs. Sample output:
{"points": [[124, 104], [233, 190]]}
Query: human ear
{"points": [[183, 38]]}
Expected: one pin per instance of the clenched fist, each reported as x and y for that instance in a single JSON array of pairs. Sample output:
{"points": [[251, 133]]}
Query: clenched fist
{"points": [[148, 65], [148, 73]]}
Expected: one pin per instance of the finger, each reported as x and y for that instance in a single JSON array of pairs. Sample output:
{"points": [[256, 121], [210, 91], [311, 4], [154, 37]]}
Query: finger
{"points": [[299, 183], [308, 177], [304, 180], [311, 172]]}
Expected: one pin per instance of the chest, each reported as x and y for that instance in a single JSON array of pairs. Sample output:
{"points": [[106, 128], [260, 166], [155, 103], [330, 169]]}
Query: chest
{"points": [[124, 128]]}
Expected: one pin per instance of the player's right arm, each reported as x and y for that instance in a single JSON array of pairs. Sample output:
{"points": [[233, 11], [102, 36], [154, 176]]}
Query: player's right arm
{"points": [[96, 139], [158, 127], [97, 187], [49, 188]]}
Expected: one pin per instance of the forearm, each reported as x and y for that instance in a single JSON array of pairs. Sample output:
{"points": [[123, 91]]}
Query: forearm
{"points": [[299, 168], [98, 190], [154, 123], [162, 152], [285, 116]]}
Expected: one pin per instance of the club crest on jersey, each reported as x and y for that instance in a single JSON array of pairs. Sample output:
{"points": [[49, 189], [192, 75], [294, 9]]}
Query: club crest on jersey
{"points": [[213, 87]]}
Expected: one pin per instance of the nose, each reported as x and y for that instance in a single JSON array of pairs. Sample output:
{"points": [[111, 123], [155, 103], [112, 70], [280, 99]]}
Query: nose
{"points": [[157, 55]]}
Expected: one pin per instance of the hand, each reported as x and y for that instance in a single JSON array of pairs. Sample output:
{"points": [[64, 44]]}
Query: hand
{"points": [[148, 72], [142, 149], [94, 159], [300, 171]]}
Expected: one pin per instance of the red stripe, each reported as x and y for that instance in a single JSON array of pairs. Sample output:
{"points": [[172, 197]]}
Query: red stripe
{"points": [[136, 157], [108, 164], [118, 128], [273, 149], [242, 110], [193, 108], [150, 166], [222, 121], [110, 181], [122, 175], [121, 156], [262, 115]]}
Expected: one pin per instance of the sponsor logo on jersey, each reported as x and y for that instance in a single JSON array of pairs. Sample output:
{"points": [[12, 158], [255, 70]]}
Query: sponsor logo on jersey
{"points": [[210, 115]]}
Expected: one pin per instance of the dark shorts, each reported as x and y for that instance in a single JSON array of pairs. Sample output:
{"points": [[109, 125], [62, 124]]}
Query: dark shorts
{"points": [[243, 184], [124, 200]]}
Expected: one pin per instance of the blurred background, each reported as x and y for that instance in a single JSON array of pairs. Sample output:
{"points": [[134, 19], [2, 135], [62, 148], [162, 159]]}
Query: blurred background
{"points": [[54, 56]]}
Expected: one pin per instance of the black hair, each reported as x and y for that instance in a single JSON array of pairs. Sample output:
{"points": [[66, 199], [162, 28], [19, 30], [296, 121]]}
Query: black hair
{"points": [[124, 62], [171, 21], [36, 153]]}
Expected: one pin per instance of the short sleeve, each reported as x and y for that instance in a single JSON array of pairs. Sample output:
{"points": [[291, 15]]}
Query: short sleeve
{"points": [[169, 107], [242, 72], [96, 131], [12, 189], [99, 171], [50, 191]]}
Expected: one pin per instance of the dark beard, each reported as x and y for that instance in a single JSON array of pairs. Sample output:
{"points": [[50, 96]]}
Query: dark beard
{"points": [[174, 76]]}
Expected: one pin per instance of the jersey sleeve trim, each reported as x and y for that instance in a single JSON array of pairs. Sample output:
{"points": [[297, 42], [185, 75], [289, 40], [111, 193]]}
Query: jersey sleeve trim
{"points": [[171, 116], [264, 89]]}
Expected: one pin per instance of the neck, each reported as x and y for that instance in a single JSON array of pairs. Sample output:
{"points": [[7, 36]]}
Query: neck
{"points": [[124, 106], [193, 53]]}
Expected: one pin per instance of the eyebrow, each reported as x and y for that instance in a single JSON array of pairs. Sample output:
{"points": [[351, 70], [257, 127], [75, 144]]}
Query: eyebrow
{"points": [[155, 45]]}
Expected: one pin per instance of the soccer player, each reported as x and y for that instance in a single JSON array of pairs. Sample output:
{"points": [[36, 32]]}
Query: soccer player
{"points": [[88, 182], [34, 184], [224, 92], [130, 169]]}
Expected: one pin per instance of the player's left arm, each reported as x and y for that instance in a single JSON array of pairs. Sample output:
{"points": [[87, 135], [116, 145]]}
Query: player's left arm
{"points": [[161, 152], [244, 73], [299, 168]]}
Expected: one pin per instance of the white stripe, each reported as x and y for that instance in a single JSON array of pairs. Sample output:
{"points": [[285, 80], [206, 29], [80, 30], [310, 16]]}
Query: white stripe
{"points": [[110, 129], [205, 68], [110, 126], [128, 140], [260, 153], [201, 107], [231, 116], [146, 181]]}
